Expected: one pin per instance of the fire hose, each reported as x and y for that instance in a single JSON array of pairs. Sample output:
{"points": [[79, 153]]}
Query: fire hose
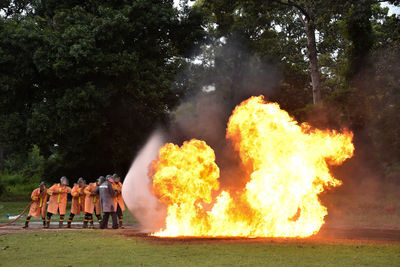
{"points": [[19, 216]]}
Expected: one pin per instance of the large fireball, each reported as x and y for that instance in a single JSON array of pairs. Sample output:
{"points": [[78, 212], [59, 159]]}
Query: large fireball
{"points": [[287, 165]]}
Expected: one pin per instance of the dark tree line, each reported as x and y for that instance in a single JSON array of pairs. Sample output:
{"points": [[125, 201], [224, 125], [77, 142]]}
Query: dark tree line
{"points": [[87, 81]]}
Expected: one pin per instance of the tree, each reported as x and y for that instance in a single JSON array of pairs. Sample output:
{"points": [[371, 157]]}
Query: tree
{"points": [[99, 77], [306, 11], [310, 12]]}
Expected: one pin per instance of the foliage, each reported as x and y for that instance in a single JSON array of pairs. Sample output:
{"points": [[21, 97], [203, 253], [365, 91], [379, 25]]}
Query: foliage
{"points": [[16, 186], [23, 173], [87, 82]]}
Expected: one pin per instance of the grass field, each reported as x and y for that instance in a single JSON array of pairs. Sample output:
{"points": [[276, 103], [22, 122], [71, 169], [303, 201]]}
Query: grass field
{"points": [[15, 208], [102, 248], [110, 248]]}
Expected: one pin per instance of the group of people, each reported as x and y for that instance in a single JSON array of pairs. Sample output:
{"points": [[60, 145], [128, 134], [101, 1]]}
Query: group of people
{"points": [[103, 195]]}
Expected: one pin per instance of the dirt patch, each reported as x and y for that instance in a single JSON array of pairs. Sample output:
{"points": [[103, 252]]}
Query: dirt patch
{"points": [[37, 227], [342, 235], [328, 236]]}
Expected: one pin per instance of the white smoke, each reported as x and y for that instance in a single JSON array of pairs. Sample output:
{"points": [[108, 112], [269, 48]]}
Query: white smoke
{"points": [[136, 188]]}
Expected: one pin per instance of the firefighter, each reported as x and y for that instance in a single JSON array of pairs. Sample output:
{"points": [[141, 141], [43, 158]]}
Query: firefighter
{"points": [[58, 200], [118, 200], [78, 200], [92, 203], [106, 191], [38, 206]]}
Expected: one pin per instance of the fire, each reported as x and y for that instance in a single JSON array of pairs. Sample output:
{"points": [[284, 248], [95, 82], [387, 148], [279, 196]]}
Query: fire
{"points": [[287, 164]]}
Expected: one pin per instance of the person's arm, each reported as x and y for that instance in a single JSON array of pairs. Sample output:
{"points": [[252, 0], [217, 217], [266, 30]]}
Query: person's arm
{"points": [[74, 191], [111, 189], [35, 195], [94, 190], [97, 190], [119, 189], [43, 194], [51, 190], [87, 190]]}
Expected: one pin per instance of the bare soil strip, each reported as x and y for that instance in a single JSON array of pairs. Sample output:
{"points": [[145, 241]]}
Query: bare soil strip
{"points": [[343, 235], [362, 236]]}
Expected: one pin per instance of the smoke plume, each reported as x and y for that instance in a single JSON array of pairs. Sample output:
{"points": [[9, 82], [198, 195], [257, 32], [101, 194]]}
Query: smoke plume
{"points": [[136, 190], [202, 115]]}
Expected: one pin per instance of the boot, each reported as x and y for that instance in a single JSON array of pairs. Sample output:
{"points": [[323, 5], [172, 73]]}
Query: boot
{"points": [[71, 217], [99, 219], [44, 223], [28, 219], [47, 226], [120, 224], [60, 224], [85, 224], [91, 226]]}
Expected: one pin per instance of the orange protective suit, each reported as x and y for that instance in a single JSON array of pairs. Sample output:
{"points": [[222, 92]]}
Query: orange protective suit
{"points": [[39, 202], [118, 196], [58, 198], [78, 199], [92, 201]]}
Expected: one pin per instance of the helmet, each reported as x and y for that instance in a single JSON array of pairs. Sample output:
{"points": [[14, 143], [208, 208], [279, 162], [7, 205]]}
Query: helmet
{"points": [[80, 180], [116, 178], [64, 180], [42, 183], [101, 179]]}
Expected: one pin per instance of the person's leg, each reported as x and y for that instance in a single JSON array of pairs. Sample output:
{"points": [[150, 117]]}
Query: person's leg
{"points": [[28, 219], [70, 219], [105, 220], [114, 220], [86, 220], [44, 222], [49, 214], [91, 226], [120, 216], [99, 218], [60, 225]]}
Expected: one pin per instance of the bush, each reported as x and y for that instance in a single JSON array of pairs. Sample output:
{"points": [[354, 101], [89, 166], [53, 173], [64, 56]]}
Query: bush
{"points": [[22, 175], [16, 187]]}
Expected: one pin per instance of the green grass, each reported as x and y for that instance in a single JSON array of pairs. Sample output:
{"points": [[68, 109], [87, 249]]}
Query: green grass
{"points": [[99, 248], [15, 208]]}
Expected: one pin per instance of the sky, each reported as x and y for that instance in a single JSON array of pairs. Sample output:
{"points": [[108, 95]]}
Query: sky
{"points": [[392, 9]]}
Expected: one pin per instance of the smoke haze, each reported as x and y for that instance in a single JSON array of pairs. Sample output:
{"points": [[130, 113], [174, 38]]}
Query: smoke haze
{"points": [[364, 199]]}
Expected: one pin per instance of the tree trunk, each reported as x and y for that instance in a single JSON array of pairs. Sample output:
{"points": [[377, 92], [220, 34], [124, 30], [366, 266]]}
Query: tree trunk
{"points": [[308, 22], [313, 58]]}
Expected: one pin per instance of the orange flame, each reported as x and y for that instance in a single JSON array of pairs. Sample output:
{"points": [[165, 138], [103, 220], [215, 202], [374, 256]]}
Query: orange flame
{"points": [[288, 167]]}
